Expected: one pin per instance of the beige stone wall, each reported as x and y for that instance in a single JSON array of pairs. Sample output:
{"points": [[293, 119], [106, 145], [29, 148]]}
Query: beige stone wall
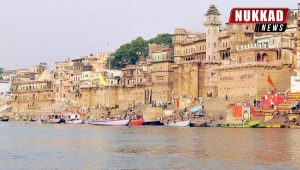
{"points": [[30, 101], [255, 55], [32, 95], [252, 80]]}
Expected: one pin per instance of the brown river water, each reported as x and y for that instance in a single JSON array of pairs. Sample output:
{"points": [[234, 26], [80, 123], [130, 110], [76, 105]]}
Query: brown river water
{"points": [[30, 145]]}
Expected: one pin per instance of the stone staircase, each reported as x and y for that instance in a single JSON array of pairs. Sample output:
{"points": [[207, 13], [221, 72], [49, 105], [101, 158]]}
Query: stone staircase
{"points": [[219, 105], [291, 98]]}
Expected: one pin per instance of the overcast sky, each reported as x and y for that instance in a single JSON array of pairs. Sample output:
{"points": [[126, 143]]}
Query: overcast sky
{"points": [[34, 31]]}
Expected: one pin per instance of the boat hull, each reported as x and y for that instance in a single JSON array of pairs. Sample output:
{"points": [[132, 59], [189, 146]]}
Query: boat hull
{"points": [[197, 124], [74, 121], [251, 124], [110, 122], [154, 123], [178, 124], [212, 124], [136, 122], [53, 121]]}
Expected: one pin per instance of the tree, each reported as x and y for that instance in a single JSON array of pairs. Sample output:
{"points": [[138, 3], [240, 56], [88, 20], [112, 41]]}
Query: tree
{"points": [[165, 39], [1, 71], [130, 53]]}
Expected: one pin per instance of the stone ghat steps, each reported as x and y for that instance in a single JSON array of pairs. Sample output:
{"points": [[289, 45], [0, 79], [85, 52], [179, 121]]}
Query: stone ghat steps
{"points": [[267, 110], [220, 106]]}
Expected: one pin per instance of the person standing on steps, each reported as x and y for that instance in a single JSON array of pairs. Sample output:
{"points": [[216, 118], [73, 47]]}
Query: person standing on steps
{"points": [[226, 97]]}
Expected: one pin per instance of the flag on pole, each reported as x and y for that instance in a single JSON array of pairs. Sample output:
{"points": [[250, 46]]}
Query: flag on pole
{"points": [[102, 81], [270, 81]]}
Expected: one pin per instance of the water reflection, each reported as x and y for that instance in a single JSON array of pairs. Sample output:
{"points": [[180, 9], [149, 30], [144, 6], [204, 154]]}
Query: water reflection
{"points": [[44, 146]]}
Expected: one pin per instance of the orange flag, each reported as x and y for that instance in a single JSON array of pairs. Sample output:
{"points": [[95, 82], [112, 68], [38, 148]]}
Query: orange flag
{"points": [[271, 82]]}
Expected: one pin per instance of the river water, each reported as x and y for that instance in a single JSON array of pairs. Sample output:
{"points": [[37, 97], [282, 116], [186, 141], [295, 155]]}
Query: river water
{"points": [[30, 145]]}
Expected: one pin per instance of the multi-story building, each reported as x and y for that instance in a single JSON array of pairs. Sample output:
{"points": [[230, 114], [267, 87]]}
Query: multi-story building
{"points": [[161, 74], [8, 75], [205, 62], [63, 80], [33, 94]]}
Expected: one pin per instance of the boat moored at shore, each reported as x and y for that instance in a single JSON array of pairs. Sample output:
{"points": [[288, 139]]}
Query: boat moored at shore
{"points": [[4, 119], [53, 118], [154, 123], [110, 122], [250, 124], [178, 124], [136, 122], [72, 119]]}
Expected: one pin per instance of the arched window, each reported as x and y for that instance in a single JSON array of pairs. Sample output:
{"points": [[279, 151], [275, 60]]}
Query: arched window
{"points": [[258, 57], [265, 57]]}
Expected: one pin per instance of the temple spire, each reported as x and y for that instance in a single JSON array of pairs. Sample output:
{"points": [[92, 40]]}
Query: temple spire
{"points": [[212, 10]]}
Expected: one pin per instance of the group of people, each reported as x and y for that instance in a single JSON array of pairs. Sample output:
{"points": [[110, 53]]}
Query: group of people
{"points": [[130, 114], [163, 104]]}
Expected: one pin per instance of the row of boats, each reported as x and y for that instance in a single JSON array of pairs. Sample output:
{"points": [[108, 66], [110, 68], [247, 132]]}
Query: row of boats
{"points": [[75, 119], [134, 122], [117, 122]]}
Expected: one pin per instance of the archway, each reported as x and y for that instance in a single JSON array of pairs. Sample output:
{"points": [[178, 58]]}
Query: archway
{"points": [[258, 57], [265, 57]]}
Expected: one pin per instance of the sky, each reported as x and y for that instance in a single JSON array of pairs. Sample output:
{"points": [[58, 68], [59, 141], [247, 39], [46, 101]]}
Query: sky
{"points": [[34, 31]]}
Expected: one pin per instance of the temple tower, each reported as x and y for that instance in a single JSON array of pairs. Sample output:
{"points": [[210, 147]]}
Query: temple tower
{"points": [[212, 27]]}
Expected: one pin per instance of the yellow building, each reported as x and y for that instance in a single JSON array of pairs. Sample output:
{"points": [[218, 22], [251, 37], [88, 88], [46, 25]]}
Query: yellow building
{"points": [[32, 95]]}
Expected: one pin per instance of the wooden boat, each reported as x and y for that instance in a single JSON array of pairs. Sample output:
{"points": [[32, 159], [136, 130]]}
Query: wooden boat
{"points": [[178, 124], [153, 123], [294, 126], [136, 122], [250, 124], [54, 118], [74, 121], [4, 118], [212, 124], [53, 121], [197, 124], [123, 122]]}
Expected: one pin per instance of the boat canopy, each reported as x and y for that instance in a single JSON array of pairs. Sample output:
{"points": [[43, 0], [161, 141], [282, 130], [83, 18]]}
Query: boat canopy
{"points": [[196, 108]]}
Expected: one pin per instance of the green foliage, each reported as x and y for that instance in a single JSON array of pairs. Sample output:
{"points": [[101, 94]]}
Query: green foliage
{"points": [[165, 39], [1, 71], [130, 53]]}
